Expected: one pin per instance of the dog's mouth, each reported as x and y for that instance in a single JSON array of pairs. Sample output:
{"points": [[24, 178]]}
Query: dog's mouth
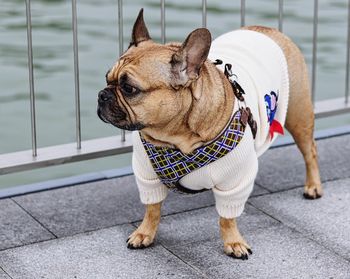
{"points": [[110, 115], [102, 116], [130, 126], [118, 119]]}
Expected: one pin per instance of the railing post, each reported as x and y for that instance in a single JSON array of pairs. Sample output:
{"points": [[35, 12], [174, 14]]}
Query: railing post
{"points": [[76, 74], [120, 27], [31, 78], [347, 59], [314, 51], [162, 20], [242, 13], [280, 15], [204, 13], [121, 44]]}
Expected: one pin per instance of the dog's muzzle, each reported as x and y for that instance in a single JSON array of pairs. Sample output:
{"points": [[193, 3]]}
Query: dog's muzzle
{"points": [[105, 96], [108, 110]]}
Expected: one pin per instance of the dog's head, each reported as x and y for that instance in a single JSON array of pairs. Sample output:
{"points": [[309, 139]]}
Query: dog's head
{"points": [[151, 83]]}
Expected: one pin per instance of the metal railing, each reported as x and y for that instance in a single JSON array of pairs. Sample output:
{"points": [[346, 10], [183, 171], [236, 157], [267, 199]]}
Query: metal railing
{"points": [[83, 150]]}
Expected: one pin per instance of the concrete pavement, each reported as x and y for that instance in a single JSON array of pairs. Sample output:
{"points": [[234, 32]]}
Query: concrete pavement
{"points": [[80, 231]]}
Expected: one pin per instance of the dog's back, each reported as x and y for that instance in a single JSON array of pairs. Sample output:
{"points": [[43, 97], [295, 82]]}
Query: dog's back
{"points": [[260, 67]]}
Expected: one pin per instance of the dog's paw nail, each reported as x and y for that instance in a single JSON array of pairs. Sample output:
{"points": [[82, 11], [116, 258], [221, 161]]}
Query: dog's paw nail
{"points": [[250, 251], [232, 255], [242, 257], [312, 197], [130, 246], [312, 193], [308, 197], [128, 240]]}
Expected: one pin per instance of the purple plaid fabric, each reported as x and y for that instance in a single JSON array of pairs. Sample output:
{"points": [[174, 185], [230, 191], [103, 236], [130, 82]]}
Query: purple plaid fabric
{"points": [[171, 164]]}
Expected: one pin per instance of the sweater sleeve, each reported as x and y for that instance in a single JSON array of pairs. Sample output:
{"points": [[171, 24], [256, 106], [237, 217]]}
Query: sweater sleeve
{"points": [[234, 178], [151, 189]]}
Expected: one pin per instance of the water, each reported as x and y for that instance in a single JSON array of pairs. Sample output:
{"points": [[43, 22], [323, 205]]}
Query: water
{"points": [[98, 46]]}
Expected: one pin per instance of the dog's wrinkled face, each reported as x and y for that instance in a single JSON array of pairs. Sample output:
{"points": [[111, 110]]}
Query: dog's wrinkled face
{"points": [[130, 99], [146, 87]]}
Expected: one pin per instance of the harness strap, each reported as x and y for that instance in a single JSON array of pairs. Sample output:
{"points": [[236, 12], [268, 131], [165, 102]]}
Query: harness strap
{"points": [[171, 164]]}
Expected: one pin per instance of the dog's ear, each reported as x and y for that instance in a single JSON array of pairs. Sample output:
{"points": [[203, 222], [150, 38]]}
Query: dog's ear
{"points": [[139, 31], [187, 61]]}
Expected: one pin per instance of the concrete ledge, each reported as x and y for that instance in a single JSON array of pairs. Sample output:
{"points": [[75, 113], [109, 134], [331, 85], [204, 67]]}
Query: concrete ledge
{"points": [[113, 173], [65, 153], [64, 182]]}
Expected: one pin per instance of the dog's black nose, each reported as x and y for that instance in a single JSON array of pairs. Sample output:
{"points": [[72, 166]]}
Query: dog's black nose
{"points": [[105, 96]]}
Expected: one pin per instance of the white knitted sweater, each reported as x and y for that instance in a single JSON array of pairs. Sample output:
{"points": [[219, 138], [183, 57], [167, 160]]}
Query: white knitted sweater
{"points": [[260, 67]]}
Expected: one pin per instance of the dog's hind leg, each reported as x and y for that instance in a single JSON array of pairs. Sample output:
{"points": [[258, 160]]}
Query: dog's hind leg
{"points": [[300, 123], [300, 115], [144, 235], [234, 244]]}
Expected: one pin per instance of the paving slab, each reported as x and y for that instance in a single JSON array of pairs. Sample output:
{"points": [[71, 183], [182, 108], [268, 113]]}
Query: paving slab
{"points": [[3, 275], [325, 220], [283, 168], [17, 227], [258, 190], [278, 252], [99, 254], [92, 206], [203, 225]]}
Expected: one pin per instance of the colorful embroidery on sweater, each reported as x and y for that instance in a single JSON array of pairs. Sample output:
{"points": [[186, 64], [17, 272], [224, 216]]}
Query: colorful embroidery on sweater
{"points": [[171, 164], [271, 108]]}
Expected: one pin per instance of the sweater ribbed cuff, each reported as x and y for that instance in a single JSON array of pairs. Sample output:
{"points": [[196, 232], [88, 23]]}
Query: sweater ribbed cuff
{"points": [[152, 193], [230, 204], [153, 196], [229, 211]]}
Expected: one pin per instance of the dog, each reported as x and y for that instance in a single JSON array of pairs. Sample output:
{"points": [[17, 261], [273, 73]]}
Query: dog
{"points": [[203, 112]]}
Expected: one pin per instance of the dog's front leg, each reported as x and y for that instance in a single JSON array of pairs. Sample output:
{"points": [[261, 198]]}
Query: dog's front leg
{"points": [[144, 235], [234, 244]]}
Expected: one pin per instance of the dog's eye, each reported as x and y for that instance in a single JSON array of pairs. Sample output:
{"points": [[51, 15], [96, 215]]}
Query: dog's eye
{"points": [[129, 90]]}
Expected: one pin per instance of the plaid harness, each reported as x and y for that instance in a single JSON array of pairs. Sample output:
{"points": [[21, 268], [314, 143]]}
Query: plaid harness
{"points": [[171, 164]]}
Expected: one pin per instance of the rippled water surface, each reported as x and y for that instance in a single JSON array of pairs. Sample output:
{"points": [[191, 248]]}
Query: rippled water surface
{"points": [[98, 46]]}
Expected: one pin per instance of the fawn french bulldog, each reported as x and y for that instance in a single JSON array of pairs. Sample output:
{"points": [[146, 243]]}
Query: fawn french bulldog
{"points": [[204, 112]]}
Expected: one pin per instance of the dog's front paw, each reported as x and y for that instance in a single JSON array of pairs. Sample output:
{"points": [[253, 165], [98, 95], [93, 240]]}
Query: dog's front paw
{"points": [[312, 192], [238, 250], [139, 240]]}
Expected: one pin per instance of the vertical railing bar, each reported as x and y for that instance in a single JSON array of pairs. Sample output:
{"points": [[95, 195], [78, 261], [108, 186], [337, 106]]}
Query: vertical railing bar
{"points": [[314, 51], [162, 20], [280, 15], [347, 59], [242, 13], [120, 27], [31, 78], [121, 44], [76, 74], [204, 13]]}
